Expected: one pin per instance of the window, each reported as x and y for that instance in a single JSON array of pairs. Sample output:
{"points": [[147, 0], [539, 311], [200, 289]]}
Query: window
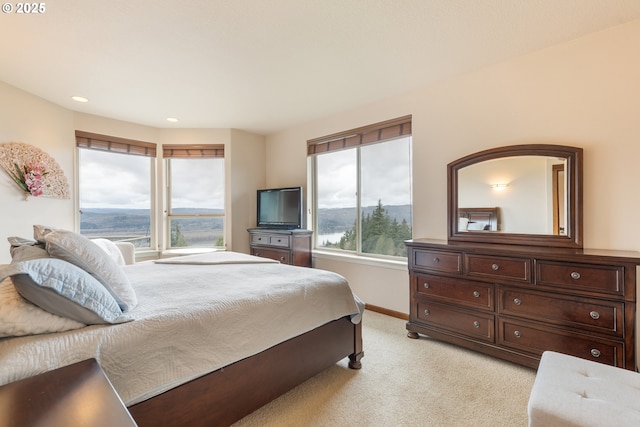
{"points": [[362, 189], [195, 195], [115, 188]]}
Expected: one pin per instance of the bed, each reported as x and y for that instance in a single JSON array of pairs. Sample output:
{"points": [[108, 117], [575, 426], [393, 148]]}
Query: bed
{"points": [[211, 337]]}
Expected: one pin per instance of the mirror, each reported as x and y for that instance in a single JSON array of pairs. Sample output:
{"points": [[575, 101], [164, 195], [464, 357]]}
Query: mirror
{"points": [[522, 194]]}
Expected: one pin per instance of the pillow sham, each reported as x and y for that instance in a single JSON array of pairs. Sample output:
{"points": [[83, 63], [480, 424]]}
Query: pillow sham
{"points": [[82, 252], [65, 290], [18, 317], [25, 249]]}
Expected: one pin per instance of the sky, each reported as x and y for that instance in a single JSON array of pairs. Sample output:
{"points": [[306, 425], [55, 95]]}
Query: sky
{"points": [[386, 175], [109, 180]]}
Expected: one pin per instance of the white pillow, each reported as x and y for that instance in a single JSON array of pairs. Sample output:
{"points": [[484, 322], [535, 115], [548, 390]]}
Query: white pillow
{"points": [[82, 252], [18, 317], [63, 289], [111, 249]]}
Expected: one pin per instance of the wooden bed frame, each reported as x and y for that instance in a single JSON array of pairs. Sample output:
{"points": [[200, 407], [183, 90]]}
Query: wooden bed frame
{"points": [[228, 394]]}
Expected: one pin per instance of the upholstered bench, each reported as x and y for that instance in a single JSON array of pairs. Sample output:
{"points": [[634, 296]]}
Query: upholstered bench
{"points": [[573, 392]]}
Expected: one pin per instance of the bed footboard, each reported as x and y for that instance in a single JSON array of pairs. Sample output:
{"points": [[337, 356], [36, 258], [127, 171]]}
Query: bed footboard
{"points": [[228, 394]]}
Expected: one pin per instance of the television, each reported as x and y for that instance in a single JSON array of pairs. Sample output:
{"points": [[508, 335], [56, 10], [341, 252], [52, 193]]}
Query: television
{"points": [[280, 208]]}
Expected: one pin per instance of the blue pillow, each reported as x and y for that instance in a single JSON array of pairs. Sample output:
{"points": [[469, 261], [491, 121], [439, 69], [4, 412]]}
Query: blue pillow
{"points": [[63, 289]]}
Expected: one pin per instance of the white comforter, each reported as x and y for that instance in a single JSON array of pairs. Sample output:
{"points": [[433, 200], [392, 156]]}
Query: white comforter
{"points": [[195, 314]]}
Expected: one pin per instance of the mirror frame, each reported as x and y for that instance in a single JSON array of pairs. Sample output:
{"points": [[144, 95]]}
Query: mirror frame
{"points": [[573, 238]]}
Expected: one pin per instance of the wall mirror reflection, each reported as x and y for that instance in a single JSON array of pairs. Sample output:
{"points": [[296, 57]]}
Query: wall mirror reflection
{"points": [[523, 194]]}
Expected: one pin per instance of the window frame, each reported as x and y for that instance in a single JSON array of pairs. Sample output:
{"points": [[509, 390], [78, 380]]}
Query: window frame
{"points": [[123, 146], [191, 151], [356, 139]]}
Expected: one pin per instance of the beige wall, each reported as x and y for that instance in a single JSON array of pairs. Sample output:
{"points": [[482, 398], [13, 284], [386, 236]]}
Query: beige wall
{"points": [[584, 93]]}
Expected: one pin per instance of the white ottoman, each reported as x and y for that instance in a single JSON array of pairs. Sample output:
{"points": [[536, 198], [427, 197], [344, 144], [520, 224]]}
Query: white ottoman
{"points": [[569, 391]]}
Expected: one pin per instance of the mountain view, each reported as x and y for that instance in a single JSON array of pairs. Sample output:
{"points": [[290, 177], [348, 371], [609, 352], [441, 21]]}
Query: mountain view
{"points": [[135, 224]]}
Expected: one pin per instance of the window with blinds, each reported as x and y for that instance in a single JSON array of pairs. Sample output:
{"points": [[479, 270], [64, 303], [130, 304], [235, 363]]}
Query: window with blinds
{"points": [[195, 195], [362, 189], [116, 188]]}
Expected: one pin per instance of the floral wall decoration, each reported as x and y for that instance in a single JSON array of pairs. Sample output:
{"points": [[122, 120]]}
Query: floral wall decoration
{"points": [[34, 171]]}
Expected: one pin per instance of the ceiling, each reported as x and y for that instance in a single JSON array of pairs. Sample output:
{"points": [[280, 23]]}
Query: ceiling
{"points": [[265, 65]]}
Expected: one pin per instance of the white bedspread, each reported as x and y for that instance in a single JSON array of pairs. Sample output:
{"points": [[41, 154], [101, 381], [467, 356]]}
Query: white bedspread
{"points": [[191, 319]]}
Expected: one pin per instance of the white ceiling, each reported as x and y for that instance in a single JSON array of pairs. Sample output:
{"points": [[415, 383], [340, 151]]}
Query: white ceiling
{"points": [[264, 65]]}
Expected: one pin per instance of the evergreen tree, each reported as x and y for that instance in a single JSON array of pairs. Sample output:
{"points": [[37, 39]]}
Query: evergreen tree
{"points": [[177, 238], [380, 234]]}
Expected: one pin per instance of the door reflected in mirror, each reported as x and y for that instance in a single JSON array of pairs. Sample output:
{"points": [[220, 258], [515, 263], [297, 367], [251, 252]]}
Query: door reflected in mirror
{"points": [[527, 194]]}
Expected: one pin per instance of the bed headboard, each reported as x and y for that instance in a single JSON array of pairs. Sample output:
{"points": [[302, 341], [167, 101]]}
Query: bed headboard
{"points": [[478, 219]]}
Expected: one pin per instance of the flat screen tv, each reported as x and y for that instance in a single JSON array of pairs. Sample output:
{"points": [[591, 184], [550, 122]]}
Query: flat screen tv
{"points": [[280, 208]]}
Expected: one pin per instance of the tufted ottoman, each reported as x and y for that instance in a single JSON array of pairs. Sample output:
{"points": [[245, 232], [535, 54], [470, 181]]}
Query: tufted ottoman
{"points": [[569, 391]]}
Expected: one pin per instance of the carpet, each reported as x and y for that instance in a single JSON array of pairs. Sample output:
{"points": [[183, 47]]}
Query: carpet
{"points": [[405, 382]]}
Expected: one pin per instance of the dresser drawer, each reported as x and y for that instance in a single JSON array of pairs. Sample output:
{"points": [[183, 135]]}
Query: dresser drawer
{"points": [[497, 267], [278, 240], [271, 240], [589, 277], [537, 339], [590, 315], [282, 256], [454, 291], [439, 261], [474, 325]]}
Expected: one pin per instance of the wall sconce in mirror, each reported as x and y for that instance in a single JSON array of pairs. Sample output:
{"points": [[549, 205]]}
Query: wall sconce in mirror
{"points": [[499, 187]]}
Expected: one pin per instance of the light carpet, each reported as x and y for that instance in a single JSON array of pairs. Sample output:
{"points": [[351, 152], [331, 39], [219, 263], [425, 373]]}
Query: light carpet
{"points": [[405, 382]]}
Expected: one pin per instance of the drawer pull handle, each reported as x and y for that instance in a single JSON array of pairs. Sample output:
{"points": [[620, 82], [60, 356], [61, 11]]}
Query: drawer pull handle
{"points": [[426, 285], [427, 312], [476, 294], [495, 267], [476, 324], [517, 301], [595, 352], [575, 275], [594, 315], [517, 334], [257, 253], [282, 258], [436, 260]]}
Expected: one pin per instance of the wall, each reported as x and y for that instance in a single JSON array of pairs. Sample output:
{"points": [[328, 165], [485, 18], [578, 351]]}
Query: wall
{"points": [[27, 118], [32, 120], [584, 93]]}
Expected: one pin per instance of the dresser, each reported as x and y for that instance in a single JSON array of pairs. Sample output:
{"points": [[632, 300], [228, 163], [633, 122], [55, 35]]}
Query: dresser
{"points": [[516, 301], [287, 246]]}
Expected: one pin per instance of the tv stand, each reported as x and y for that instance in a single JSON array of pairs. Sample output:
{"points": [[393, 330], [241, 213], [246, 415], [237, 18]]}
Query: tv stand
{"points": [[287, 246]]}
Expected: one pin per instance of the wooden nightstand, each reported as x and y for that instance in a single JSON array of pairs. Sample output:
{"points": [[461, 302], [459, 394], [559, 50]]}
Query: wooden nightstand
{"points": [[78, 395]]}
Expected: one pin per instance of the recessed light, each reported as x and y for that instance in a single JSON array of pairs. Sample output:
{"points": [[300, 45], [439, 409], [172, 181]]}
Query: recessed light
{"points": [[172, 120], [79, 99]]}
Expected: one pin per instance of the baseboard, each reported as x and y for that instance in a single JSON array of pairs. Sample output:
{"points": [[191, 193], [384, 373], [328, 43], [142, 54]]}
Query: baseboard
{"points": [[388, 312]]}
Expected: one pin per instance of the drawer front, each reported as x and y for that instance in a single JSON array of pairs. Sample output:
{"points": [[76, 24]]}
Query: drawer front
{"points": [[533, 339], [278, 240], [454, 291], [260, 239], [282, 256], [588, 277], [440, 261], [475, 325], [495, 267], [589, 315]]}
